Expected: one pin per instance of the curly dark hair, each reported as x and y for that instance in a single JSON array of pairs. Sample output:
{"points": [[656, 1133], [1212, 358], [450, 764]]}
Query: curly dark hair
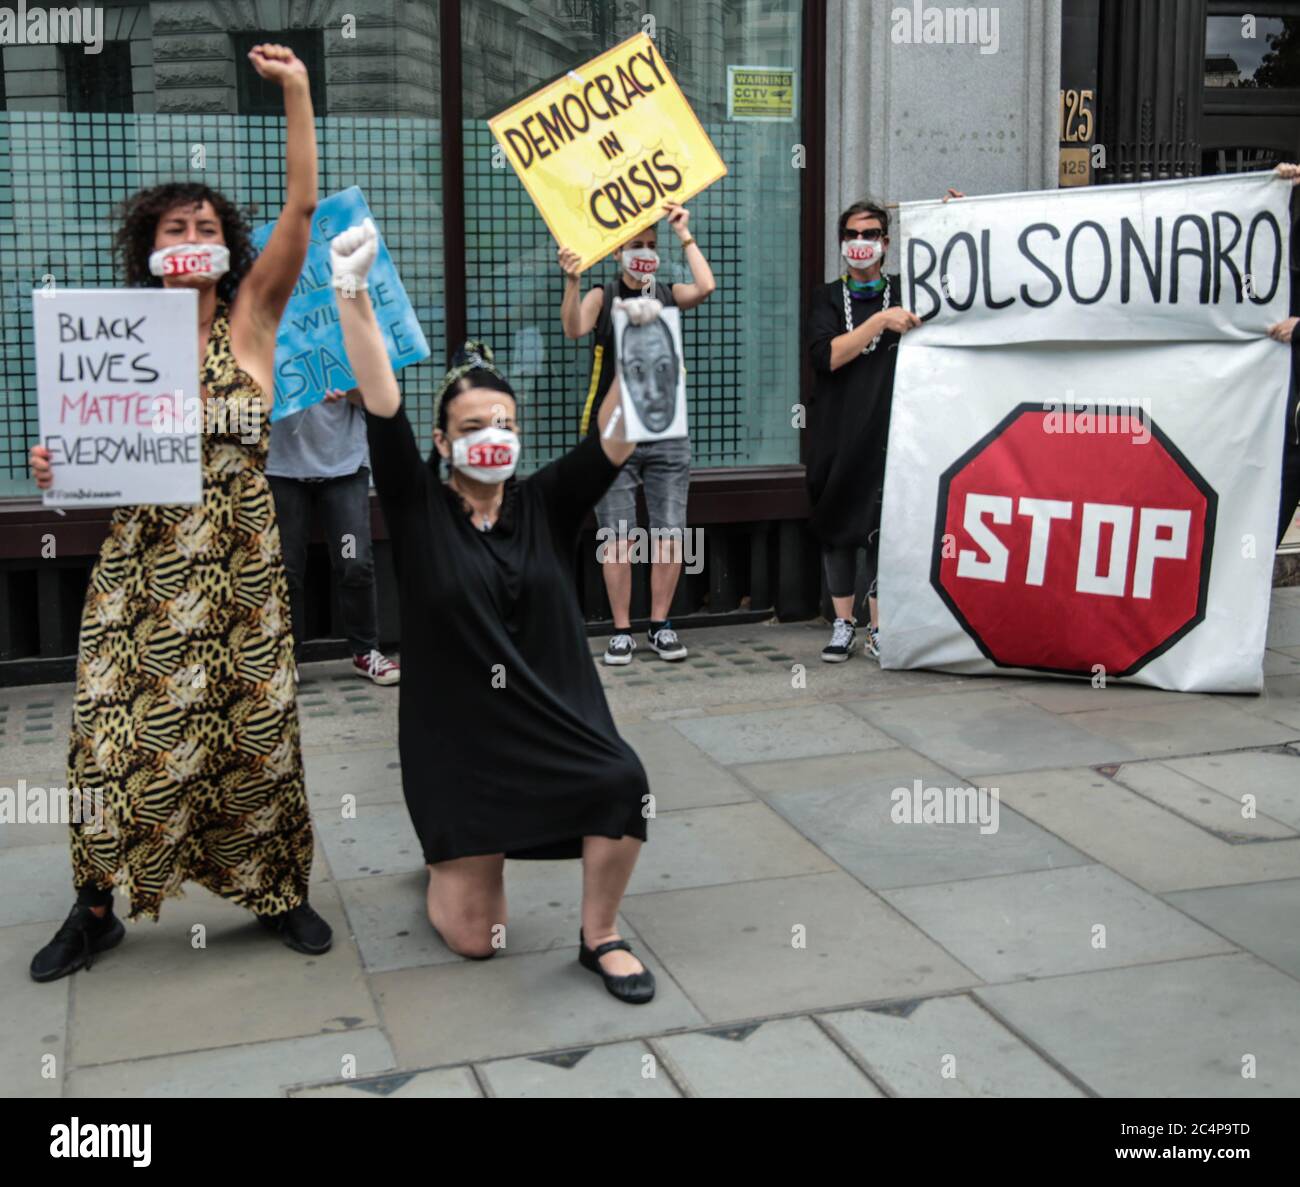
{"points": [[138, 219]]}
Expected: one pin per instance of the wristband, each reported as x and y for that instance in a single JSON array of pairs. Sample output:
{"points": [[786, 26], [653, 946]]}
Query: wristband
{"points": [[687, 242], [348, 282]]}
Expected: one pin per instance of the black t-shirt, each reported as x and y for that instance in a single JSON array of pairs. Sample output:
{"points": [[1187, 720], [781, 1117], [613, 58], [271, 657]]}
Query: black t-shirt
{"points": [[602, 346], [506, 740]]}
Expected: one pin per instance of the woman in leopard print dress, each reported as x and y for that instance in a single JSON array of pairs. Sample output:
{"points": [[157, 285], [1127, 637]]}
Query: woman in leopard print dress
{"points": [[185, 720]]}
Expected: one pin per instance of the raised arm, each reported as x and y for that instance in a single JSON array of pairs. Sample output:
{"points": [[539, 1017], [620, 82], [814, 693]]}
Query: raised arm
{"points": [[266, 289], [702, 283], [578, 314], [351, 255], [616, 447]]}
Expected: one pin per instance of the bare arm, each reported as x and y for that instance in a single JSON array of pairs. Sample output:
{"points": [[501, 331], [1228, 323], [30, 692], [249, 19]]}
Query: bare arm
{"points": [[578, 314], [266, 289], [847, 347], [616, 448], [687, 296]]}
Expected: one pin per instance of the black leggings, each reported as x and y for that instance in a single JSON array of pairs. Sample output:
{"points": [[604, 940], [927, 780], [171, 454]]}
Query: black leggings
{"points": [[840, 563]]}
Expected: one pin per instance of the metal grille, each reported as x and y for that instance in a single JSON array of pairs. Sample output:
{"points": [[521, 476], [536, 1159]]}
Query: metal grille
{"points": [[61, 174]]}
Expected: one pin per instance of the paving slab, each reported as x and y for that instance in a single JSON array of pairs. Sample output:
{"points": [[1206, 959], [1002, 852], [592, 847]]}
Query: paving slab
{"points": [[1283, 623], [33, 1041], [1181, 1029], [157, 994], [790, 1058], [681, 775], [712, 846], [38, 883], [947, 1047], [389, 920], [732, 947], [1199, 802], [256, 1069], [1082, 696], [516, 1005], [1141, 840], [1272, 777], [370, 775], [1259, 916], [846, 806], [615, 1070], [452, 1083], [990, 732], [782, 733], [379, 839], [1194, 727], [1045, 924]]}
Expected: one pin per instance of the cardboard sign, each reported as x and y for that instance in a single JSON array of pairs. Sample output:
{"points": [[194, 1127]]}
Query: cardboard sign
{"points": [[309, 354], [761, 93], [602, 149], [652, 376], [117, 383]]}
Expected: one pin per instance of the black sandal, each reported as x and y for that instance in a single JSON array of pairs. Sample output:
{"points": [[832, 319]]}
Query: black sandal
{"points": [[635, 988]]}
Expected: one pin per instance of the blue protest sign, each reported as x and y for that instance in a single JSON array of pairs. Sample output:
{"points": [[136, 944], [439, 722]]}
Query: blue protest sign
{"points": [[309, 354]]}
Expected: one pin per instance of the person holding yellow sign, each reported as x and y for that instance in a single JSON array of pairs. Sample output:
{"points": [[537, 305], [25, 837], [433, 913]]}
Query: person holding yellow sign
{"points": [[663, 467]]}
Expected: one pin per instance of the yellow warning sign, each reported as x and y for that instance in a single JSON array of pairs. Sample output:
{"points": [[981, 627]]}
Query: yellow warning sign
{"points": [[604, 148], [760, 93]]}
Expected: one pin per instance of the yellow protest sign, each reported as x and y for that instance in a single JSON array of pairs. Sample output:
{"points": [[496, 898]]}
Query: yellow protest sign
{"points": [[602, 149]]}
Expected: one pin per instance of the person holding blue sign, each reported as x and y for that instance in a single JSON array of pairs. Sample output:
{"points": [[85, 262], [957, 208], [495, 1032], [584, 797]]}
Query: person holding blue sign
{"points": [[185, 719], [319, 462], [507, 744]]}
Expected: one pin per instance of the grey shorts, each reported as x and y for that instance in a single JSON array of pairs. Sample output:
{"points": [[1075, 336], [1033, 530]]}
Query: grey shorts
{"points": [[664, 469]]}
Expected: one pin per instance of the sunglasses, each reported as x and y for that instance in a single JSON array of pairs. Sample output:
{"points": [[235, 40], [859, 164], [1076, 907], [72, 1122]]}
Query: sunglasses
{"points": [[874, 235]]}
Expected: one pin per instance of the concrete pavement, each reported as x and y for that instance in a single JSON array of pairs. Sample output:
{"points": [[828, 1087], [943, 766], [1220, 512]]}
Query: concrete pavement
{"points": [[1126, 930]]}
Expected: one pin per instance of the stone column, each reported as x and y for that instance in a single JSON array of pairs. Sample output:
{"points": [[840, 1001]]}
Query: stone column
{"points": [[905, 120]]}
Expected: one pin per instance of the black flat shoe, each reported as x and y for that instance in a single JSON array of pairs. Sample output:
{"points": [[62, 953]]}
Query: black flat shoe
{"points": [[301, 929], [74, 945], [635, 988]]}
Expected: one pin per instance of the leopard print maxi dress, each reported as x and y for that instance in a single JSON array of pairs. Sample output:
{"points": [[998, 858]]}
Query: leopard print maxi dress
{"points": [[185, 715]]}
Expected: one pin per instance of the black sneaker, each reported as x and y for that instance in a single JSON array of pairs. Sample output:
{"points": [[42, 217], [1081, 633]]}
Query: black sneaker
{"points": [[872, 645], [82, 935], [301, 929], [843, 640], [666, 645], [620, 649]]}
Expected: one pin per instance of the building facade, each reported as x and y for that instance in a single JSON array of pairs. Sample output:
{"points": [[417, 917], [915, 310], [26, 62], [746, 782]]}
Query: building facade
{"points": [[1007, 97]]}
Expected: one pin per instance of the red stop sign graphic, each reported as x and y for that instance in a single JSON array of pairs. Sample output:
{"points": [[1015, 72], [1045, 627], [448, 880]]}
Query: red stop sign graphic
{"points": [[1071, 549]]}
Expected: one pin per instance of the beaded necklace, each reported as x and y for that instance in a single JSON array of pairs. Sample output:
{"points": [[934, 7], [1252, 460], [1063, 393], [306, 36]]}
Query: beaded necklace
{"points": [[848, 312]]}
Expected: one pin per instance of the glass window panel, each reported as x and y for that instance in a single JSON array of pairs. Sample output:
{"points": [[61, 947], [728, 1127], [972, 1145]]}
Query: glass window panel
{"points": [[62, 170], [742, 349]]}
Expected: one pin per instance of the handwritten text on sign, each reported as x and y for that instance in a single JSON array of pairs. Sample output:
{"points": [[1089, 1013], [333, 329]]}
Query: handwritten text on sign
{"points": [[602, 149], [117, 377], [309, 355]]}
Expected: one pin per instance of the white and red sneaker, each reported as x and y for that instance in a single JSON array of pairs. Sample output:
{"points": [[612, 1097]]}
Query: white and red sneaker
{"points": [[377, 667]]}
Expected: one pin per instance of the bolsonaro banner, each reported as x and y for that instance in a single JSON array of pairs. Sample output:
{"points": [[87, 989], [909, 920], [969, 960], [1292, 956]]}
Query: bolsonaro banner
{"points": [[1086, 439]]}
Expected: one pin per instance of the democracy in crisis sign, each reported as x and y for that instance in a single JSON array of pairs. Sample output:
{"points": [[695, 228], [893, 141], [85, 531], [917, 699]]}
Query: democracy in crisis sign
{"points": [[603, 148], [117, 380]]}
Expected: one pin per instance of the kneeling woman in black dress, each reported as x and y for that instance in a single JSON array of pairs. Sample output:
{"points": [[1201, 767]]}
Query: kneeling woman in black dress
{"points": [[507, 744]]}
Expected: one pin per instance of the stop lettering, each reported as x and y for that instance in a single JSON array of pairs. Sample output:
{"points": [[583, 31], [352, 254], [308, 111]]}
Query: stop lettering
{"points": [[1063, 551]]}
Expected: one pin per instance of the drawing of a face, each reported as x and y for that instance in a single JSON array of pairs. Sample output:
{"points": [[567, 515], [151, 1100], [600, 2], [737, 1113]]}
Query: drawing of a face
{"points": [[650, 369]]}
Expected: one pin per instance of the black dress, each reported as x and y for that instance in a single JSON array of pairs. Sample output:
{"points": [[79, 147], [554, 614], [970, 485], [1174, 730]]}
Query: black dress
{"points": [[848, 421], [506, 740]]}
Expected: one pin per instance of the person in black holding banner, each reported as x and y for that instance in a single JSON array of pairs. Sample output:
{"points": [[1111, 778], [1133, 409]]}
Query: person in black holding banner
{"points": [[855, 325], [1285, 332], [508, 748]]}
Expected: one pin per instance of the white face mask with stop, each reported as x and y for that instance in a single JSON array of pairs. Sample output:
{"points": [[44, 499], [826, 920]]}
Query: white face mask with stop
{"points": [[486, 455], [203, 261], [863, 253], [640, 262]]}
